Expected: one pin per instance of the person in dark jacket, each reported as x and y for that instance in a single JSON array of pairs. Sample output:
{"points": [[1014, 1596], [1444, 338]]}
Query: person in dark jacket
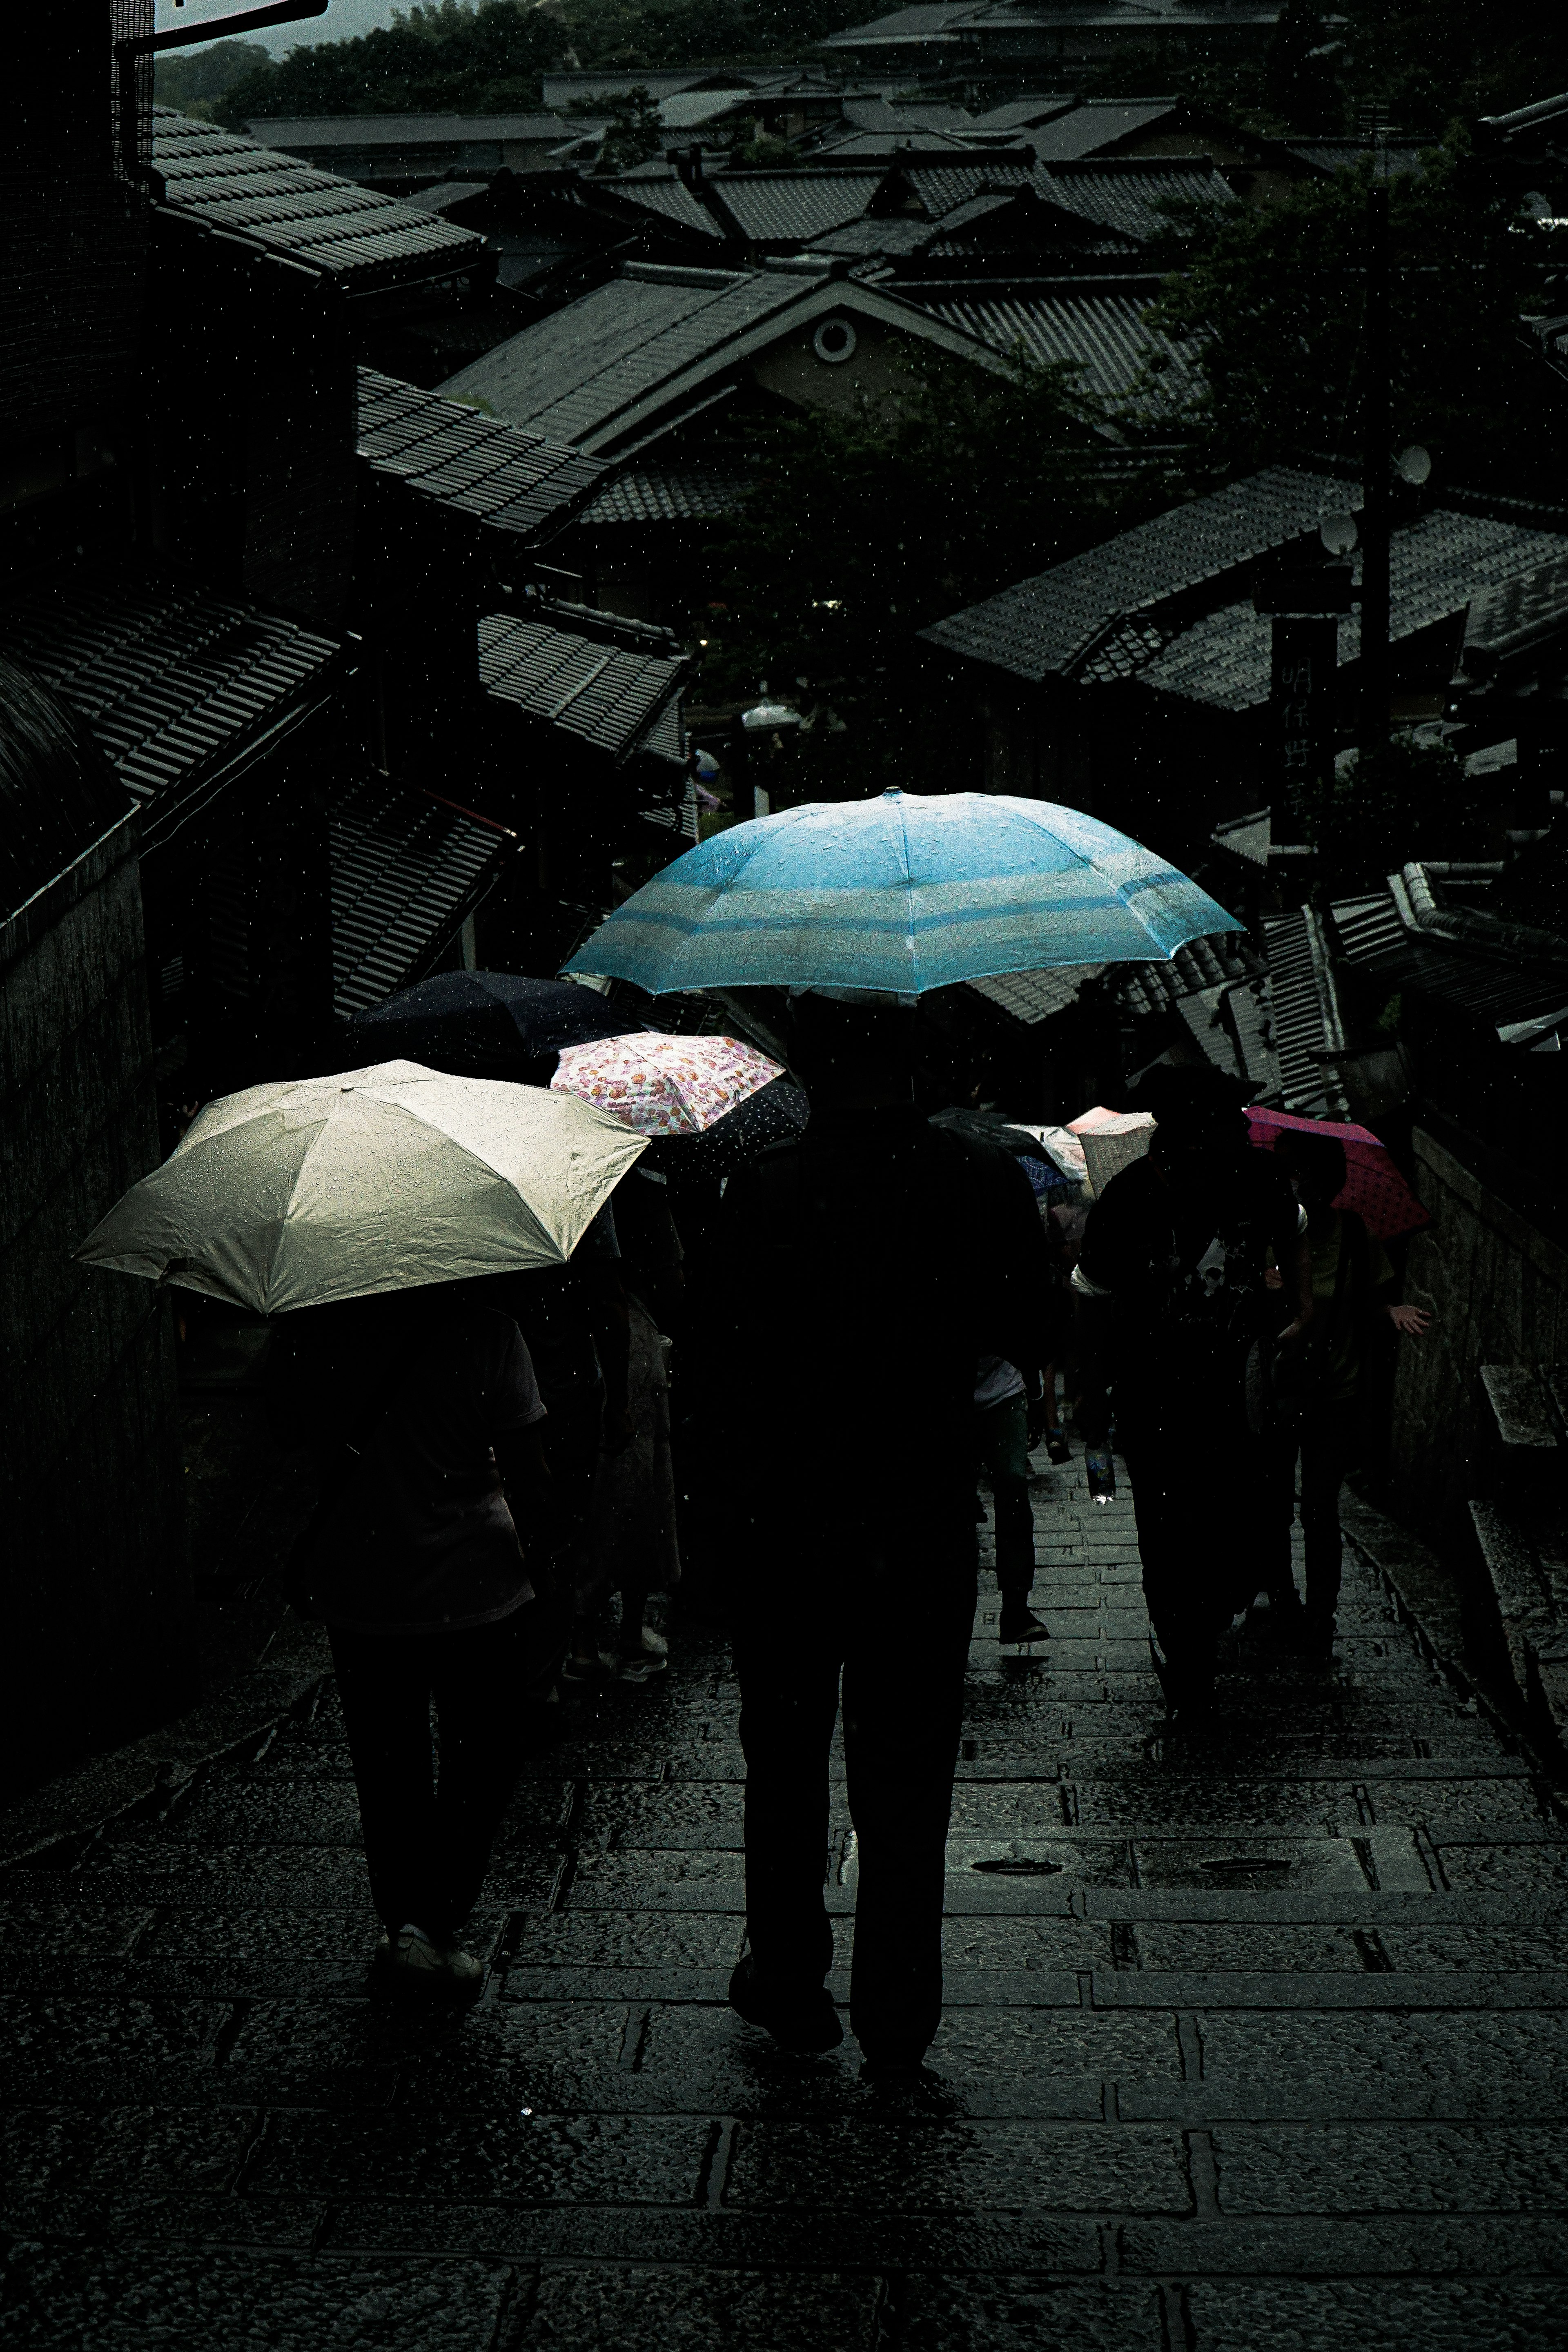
{"points": [[1173, 1298], [1352, 1292], [852, 1283], [423, 1415]]}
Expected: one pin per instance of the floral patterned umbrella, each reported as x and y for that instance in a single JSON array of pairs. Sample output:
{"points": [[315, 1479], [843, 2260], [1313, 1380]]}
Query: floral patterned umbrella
{"points": [[664, 1085]]}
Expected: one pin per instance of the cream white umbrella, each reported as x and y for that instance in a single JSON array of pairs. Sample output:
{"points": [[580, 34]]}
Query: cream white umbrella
{"points": [[382, 1179]]}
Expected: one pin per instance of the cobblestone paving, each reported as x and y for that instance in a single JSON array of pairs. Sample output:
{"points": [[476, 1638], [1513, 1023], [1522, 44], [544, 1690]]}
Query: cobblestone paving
{"points": [[1257, 2047]]}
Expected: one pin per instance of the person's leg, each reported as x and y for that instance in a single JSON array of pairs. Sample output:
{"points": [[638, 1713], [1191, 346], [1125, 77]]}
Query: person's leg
{"points": [[478, 1676], [384, 1685], [1278, 1482], [903, 1709], [1005, 1450], [1190, 1596], [789, 1704], [1328, 1452]]}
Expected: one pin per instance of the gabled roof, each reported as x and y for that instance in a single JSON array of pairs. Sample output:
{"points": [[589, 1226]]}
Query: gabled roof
{"points": [[940, 186], [512, 481], [669, 195], [606, 682], [1044, 625], [792, 207], [625, 362], [1124, 611], [178, 687], [267, 200], [1096, 324], [406, 870], [1125, 192]]}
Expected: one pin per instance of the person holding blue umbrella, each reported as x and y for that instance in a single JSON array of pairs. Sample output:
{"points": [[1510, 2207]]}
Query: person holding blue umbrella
{"points": [[858, 1274]]}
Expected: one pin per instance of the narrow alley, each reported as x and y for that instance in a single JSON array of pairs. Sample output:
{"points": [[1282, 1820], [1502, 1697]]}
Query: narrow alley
{"points": [[1258, 2043]]}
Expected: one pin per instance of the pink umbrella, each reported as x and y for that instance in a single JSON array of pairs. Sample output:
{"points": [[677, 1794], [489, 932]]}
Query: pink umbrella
{"points": [[1373, 1188], [664, 1085]]}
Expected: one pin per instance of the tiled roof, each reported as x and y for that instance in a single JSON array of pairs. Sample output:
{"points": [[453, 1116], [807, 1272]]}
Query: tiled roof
{"points": [[264, 198], [177, 685], [940, 186], [406, 870], [572, 372], [637, 356], [792, 207], [1095, 325], [1307, 1020], [608, 694], [670, 196], [1023, 113], [1435, 567], [1088, 129], [400, 129], [1532, 604], [513, 480], [1034, 996], [1342, 155], [692, 493], [1044, 625], [1128, 200], [1487, 982]]}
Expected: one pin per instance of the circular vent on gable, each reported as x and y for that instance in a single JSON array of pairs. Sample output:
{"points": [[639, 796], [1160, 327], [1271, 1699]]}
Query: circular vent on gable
{"points": [[833, 341]]}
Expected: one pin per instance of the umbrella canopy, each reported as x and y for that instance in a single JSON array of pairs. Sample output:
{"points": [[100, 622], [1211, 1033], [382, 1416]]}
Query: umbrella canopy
{"points": [[482, 1024], [382, 1179], [664, 1086], [1373, 1189], [775, 1113], [904, 893]]}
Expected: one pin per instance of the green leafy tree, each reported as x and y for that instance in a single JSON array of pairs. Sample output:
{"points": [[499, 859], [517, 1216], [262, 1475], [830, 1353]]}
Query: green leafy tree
{"points": [[1402, 800], [1271, 301], [635, 134], [870, 521], [445, 59], [193, 78]]}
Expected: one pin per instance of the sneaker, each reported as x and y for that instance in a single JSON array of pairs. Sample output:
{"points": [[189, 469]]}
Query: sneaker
{"points": [[804, 2021], [1056, 1445], [410, 1959], [578, 1671], [1021, 1624]]}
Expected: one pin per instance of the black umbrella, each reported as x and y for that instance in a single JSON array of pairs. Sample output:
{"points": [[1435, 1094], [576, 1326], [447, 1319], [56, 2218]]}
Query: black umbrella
{"points": [[772, 1115], [483, 1025]]}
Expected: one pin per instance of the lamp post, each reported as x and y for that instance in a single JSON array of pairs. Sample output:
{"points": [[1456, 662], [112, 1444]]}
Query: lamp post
{"points": [[1377, 486]]}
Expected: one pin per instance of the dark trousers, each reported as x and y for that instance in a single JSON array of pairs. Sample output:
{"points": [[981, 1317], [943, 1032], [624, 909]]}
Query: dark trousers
{"points": [[895, 1626], [1201, 1535], [1002, 1435], [429, 1828], [1326, 1447]]}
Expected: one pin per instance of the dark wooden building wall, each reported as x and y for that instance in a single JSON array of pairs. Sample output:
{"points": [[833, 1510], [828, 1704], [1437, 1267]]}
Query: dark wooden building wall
{"points": [[94, 1584]]}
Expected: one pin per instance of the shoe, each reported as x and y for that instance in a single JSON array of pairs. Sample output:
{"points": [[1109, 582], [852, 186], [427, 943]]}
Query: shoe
{"points": [[641, 1666], [413, 1962], [803, 2022], [1021, 1624], [1056, 1445], [895, 2068]]}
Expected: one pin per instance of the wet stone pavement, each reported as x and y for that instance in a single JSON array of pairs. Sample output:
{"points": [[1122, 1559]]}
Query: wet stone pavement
{"points": [[1262, 2046]]}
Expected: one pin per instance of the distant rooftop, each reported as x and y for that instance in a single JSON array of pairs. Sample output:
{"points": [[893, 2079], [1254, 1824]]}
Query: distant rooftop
{"points": [[267, 200]]}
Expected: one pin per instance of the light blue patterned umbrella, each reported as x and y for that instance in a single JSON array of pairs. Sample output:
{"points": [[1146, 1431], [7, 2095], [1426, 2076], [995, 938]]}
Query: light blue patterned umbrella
{"points": [[904, 893]]}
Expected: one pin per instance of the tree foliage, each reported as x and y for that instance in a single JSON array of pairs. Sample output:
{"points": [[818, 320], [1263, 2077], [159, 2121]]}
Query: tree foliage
{"points": [[486, 57], [634, 133], [1403, 799], [868, 522], [1272, 300]]}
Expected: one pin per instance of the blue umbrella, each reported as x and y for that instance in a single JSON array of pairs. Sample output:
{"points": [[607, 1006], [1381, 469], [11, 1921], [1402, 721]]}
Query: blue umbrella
{"points": [[904, 893]]}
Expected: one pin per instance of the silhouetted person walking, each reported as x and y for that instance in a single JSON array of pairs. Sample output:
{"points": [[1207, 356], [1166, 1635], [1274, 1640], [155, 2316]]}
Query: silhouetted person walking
{"points": [[1173, 1298], [854, 1280]]}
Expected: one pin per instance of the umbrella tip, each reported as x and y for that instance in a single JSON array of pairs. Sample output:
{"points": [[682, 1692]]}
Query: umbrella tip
{"points": [[893, 792]]}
